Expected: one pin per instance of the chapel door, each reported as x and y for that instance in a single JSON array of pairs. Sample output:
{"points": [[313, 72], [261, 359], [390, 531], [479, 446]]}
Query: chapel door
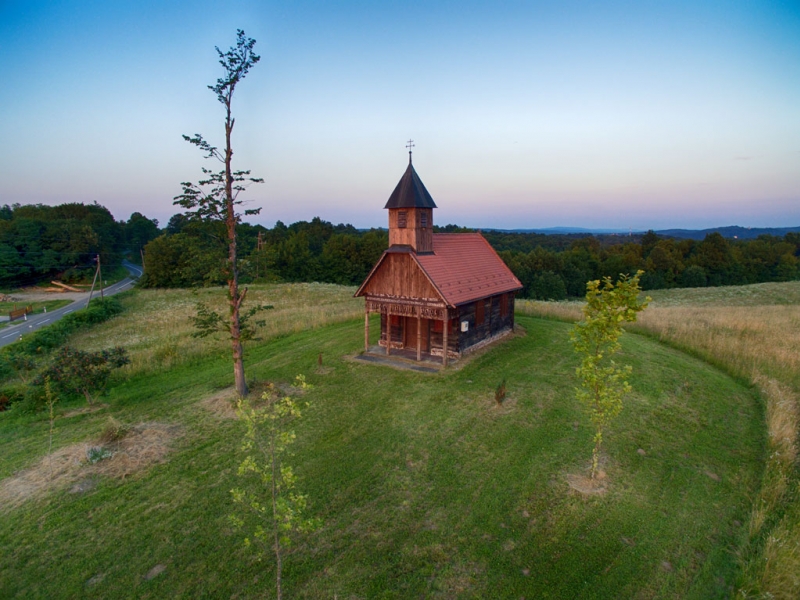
{"points": [[411, 333], [425, 333]]}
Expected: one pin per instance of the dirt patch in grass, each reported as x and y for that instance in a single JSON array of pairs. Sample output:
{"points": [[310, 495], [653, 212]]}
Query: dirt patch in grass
{"points": [[155, 572], [221, 405], [506, 407], [586, 486], [144, 445], [86, 410]]}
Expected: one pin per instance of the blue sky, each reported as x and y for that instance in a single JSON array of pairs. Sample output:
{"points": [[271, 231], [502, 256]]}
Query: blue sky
{"points": [[524, 114]]}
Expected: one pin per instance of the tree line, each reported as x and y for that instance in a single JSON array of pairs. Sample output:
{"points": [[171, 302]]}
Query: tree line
{"points": [[191, 253], [666, 262], [39, 242]]}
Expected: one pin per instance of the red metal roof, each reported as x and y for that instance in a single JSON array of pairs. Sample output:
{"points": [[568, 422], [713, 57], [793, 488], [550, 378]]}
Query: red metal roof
{"points": [[464, 267]]}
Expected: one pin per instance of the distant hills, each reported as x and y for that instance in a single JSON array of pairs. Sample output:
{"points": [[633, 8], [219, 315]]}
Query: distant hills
{"points": [[732, 231]]}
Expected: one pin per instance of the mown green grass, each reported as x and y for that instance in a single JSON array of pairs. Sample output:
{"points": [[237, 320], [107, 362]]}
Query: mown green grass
{"points": [[426, 488]]}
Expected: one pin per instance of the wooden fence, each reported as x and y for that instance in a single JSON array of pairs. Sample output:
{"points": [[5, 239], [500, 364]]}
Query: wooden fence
{"points": [[19, 313]]}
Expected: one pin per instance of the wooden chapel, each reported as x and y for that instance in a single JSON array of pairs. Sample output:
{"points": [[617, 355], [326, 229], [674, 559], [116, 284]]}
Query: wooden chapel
{"points": [[438, 294]]}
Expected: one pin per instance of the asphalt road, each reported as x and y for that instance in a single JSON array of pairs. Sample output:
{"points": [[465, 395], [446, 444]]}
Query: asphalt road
{"points": [[14, 332]]}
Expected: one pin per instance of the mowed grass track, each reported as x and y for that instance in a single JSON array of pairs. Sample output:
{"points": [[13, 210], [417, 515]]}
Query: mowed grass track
{"points": [[426, 487]]}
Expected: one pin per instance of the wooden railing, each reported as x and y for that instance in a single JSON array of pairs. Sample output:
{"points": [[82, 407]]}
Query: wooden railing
{"points": [[19, 313]]}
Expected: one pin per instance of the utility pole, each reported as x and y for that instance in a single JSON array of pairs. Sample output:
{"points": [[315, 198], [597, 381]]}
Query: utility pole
{"points": [[91, 291], [100, 275], [141, 251], [259, 246]]}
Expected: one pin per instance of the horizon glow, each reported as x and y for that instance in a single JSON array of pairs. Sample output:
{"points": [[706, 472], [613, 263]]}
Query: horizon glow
{"points": [[524, 115]]}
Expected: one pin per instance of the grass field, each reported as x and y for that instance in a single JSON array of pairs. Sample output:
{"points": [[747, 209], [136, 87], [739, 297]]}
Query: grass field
{"points": [[160, 335], [752, 332], [425, 486]]}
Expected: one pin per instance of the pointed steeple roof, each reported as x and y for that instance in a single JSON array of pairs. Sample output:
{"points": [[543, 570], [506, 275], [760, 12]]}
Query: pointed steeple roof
{"points": [[410, 191]]}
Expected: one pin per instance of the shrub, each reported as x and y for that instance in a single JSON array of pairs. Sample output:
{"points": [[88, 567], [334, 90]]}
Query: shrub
{"points": [[500, 392], [113, 432], [97, 453], [53, 336], [10, 395], [76, 372]]}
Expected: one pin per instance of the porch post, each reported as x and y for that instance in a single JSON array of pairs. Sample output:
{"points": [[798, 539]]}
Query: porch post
{"points": [[444, 338], [366, 329], [419, 335], [388, 331]]}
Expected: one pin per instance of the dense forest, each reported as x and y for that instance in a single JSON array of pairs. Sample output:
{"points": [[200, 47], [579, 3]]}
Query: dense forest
{"points": [[549, 266], [666, 262], [40, 242]]}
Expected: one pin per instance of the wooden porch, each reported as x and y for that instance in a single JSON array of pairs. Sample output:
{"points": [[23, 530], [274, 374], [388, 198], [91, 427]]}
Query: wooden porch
{"points": [[405, 358], [411, 329]]}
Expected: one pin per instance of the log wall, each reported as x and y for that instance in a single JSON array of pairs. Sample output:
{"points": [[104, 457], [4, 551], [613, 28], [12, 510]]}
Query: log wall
{"points": [[493, 323], [437, 335]]}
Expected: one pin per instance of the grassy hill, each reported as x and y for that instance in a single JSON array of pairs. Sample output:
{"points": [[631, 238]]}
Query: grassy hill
{"points": [[425, 486], [753, 333]]}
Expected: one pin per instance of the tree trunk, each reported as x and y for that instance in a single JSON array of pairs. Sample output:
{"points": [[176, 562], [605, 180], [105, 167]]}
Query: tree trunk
{"points": [[275, 521], [233, 274]]}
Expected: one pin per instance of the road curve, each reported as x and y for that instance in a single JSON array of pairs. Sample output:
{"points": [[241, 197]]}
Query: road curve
{"points": [[12, 333]]}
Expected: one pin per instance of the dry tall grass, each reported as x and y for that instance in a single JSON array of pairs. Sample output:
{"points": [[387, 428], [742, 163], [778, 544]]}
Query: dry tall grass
{"points": [[744, 339], [160, 336], [754, 333], [560, 311]]}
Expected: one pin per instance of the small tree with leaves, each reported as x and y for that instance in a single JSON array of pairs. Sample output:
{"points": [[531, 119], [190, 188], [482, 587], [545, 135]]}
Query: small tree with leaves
{"points": [[23, 365], [77, 372], [215, 197], [51, 400], [273, 508], [596, 340]]}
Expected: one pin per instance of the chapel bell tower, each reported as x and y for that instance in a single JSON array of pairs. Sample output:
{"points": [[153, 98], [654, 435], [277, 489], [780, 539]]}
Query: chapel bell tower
{"points": [[411, 212]]}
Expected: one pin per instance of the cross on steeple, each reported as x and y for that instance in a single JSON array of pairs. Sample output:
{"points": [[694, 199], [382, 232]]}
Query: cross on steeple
{"points": [[409, 145]]}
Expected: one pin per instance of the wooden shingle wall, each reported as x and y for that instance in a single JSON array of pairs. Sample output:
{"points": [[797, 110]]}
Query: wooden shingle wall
{"points": [[401, 277]]}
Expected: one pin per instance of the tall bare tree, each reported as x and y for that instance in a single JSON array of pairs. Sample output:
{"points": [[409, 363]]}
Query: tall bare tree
{"points": [[215, 198]]}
